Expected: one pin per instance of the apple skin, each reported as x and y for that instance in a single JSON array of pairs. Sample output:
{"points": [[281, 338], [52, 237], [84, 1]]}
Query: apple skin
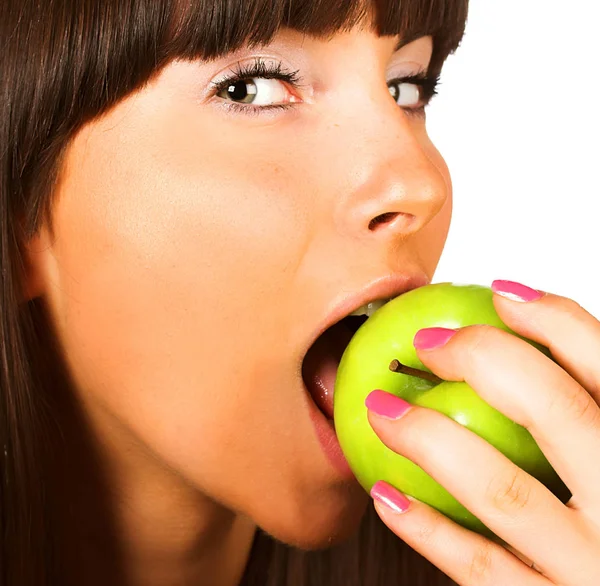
{"points": [[387, 335]]}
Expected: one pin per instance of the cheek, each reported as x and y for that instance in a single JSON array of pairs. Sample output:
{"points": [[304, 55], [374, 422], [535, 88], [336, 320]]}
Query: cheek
{"points": [[182, 255]]}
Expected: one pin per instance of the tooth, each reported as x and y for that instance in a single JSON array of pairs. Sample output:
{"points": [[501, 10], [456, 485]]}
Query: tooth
{"points": [[370, 308]]}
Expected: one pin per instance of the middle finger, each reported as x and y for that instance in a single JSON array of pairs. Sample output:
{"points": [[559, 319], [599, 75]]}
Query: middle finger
{"points": [[532, 390]]}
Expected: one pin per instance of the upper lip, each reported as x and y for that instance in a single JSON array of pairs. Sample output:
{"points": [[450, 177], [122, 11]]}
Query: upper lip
{"points": [[383, 288]]}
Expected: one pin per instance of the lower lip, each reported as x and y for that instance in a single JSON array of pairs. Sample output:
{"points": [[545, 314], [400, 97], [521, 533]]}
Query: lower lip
{"points": [[328, 440]]}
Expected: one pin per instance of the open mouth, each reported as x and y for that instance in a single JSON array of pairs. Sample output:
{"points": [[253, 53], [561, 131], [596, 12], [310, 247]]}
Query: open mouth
{"points": [[320, 365], [319, 369], [322, 359], [321, 362]]}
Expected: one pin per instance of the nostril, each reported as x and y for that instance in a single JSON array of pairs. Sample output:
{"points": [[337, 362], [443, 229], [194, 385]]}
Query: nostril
{"points": [[382, 219]]}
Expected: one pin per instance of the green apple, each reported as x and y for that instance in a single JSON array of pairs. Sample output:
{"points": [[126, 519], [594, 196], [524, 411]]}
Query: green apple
{"points": [[387, 336]]}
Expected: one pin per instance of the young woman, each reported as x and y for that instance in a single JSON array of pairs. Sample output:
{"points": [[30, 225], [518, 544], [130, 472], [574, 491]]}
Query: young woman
{"points": [[192, 195]]}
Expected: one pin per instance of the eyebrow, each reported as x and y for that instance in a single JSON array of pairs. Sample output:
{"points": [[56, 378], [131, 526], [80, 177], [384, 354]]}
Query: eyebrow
{"points": [[401, 43], [407, 41]]}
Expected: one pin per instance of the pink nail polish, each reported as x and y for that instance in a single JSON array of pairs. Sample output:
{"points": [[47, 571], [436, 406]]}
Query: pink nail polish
{"points": [[516, 291], [430, 338], [389, 496], [386, 405]]}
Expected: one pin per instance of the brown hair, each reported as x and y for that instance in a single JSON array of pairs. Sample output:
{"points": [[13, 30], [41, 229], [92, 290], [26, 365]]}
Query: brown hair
{"points": [[64, 63]]}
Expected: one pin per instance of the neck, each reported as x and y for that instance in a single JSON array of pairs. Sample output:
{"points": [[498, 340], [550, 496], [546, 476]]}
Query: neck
{"points": [[123, 518]]}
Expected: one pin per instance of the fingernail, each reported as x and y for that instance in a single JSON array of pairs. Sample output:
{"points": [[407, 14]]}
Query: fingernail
{"points": [[389, 496], [516, 291], [386, 405], [430, 338]]}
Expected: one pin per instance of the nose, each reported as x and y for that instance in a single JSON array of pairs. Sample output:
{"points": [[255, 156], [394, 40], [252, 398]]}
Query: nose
{"points": [[397, 182]]}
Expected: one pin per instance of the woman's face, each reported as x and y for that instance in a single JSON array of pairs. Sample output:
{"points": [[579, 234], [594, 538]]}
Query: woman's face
{"points": [[199, 247]]}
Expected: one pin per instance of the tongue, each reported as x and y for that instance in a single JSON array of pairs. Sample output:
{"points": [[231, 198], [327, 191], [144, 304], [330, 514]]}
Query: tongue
{"points": [[321, 364]]}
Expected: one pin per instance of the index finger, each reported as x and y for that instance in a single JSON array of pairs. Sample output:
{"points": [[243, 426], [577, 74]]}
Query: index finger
{"points": [[571, 333]]}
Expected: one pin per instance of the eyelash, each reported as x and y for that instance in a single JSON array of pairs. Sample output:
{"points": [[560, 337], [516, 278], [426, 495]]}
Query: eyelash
{"points": [[258, 68]]}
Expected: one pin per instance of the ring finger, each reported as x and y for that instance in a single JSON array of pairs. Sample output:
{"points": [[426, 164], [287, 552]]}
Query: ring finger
{"points": [[469, 559]]}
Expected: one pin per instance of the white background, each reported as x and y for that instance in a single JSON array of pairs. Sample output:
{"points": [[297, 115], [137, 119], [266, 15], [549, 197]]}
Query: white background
{"points": [[517, 119]]}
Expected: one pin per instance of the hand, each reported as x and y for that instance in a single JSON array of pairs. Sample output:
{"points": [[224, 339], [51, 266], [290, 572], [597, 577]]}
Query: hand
{"points": [[557, 403]]}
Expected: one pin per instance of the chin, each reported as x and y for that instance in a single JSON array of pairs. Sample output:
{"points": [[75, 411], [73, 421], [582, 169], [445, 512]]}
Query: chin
{"points": [[321, 524]]}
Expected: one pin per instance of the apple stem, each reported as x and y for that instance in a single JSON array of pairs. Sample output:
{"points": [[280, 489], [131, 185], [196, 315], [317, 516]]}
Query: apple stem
{"points": [[397, 366]]}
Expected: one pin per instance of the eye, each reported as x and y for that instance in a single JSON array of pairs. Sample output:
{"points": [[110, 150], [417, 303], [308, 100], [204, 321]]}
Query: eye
{"points": [[406, 95], [414, 93], [257, 91]]}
